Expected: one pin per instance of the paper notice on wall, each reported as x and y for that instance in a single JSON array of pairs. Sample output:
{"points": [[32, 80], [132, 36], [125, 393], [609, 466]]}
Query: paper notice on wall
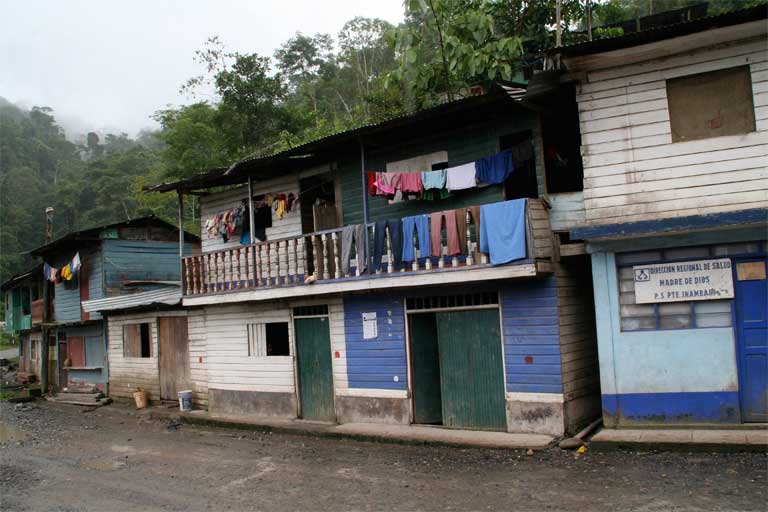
{"points": [[683, 281], [370, 327]]}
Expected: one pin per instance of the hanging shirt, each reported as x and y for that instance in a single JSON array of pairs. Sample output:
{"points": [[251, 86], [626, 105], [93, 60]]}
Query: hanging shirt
{"points": [[410, 182], [502, 231], [370, 181], [494, 169], [433, 179], [460, 177], [76, 263], [387, 183]]}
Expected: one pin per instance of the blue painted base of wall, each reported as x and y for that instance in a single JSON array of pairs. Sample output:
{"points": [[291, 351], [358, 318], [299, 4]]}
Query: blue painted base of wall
{"points": [[671, 408]]}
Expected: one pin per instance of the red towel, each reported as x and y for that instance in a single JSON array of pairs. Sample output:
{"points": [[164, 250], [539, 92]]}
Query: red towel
{"points": [[410, 182]]}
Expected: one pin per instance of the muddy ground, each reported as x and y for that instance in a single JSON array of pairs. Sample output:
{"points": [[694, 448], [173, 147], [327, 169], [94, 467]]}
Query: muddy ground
{"points": [[56, 457]]}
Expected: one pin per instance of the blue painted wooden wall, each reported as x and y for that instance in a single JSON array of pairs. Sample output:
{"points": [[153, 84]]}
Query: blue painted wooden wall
{"points": [[95, 353], [374, 363], [67, 301], [530, 335], [126, 260]]}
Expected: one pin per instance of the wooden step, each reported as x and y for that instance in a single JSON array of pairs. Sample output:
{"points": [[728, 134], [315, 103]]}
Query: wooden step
{"points": [[87, 403]]}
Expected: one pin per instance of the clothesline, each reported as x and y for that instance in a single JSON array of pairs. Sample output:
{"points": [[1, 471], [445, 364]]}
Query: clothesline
{"points": [[65, 273], [439, 184]]}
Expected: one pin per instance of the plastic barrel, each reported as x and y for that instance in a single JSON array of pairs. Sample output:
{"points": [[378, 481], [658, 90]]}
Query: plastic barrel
{"points": [[185, 400]]}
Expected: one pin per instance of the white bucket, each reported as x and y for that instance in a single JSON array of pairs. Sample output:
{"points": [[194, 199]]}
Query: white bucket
{"points": [[185, 400]]}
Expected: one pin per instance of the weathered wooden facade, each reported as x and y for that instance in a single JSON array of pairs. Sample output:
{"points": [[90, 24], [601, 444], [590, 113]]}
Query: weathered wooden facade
{"points": [[287, 331], [120, 258], [22, 298], [673, 128]]}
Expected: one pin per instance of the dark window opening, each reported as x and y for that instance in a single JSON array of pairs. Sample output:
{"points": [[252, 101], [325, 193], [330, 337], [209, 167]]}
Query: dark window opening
{"points": [[562, 145], [318, 310], [522, 183], [137, 340], [711, 104], [277, 339]]}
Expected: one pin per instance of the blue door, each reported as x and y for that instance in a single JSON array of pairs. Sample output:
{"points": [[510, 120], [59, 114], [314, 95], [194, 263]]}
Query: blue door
{"points": [[752, 338]]}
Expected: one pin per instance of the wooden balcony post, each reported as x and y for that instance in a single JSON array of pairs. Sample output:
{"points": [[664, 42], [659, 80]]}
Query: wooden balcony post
{"points": [[187, 284], [467, 220], [207, 276], [269, 264], [315, 258], [390, 255], [239, 270], [337, 256], [305, 256], [295, 260], [246, 267], [195, 274], [324, 241], [256, 265]]}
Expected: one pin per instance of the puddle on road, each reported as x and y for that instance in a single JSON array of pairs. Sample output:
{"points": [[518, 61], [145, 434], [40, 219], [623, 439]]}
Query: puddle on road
{"points": [[10, 434]]}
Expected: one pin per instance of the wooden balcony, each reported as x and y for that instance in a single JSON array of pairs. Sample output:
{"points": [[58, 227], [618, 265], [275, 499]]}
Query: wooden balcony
{"points": [[315, 258]]}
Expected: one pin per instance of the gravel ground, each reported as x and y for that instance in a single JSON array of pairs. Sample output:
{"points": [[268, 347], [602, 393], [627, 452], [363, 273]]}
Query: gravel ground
{"points": [[57, 457]]}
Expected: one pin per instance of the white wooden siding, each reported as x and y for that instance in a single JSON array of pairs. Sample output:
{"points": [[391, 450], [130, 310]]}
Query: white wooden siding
{"points": [[126, 374], [289, 225], [229, 365], [633, 171]]}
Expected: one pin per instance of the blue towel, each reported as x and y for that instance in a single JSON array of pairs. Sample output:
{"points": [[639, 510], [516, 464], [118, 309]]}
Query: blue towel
{"points": [[502, 231], [495, 169]]}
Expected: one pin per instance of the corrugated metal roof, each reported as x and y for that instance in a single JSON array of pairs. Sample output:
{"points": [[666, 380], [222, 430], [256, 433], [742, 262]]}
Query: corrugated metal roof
{"points": [[661, 32], [287, 159], [163, 296]]}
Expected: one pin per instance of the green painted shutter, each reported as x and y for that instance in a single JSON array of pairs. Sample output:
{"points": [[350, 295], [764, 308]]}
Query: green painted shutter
{"points": [[427, 404]]}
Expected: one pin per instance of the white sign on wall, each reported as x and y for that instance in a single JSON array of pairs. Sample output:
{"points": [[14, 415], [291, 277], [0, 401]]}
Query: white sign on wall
{"points": [[683, 281], [370, 326]]}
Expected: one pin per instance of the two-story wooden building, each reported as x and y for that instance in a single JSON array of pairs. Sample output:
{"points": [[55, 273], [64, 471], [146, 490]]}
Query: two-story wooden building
{"points": [[23, 299], [674, 137], [116, 259], [331, 287]]}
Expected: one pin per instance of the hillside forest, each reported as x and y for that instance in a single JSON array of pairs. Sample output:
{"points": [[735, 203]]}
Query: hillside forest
{"points": [[312, 85]]}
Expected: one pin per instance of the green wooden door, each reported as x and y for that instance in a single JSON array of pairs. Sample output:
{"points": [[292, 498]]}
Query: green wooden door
{"points": [[427, 404], [472, 369], [313, 347]]}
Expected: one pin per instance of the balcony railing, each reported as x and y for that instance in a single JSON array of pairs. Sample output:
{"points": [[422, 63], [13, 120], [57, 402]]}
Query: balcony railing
{"points": [[316, 257]]}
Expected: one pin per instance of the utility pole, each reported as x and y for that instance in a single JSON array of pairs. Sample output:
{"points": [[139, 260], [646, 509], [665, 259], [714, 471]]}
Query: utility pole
{"points": [[589, 18], [558, 19], [44, 377]]}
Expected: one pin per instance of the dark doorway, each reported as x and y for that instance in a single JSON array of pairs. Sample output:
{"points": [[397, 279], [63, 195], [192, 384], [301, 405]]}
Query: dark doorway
{"points": [[522, 183], [425, 371]]}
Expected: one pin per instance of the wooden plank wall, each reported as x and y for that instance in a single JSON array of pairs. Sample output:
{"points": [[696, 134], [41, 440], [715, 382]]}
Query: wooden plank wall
{"points": [[128, 373], [67, 301], [578, 338], [139, 259], [289, 225], [633, 171]]}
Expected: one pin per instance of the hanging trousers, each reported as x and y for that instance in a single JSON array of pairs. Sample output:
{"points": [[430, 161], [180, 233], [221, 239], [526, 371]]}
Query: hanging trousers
{"points": [[451, 232], [461, 225], [395, 227], [420, 223], [353, 234]]}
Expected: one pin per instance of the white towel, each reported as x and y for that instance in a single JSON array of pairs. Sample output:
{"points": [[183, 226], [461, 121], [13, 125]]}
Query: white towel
{"points": [[460, 177]]}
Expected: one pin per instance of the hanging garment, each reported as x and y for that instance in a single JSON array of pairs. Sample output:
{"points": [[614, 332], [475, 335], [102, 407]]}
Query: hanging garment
{"points": [[451, 233], [434, 185], [410, 183], [354, 234], [66, 272], [522, 153], [502, 231], [421, 224], [262, 219], [76, 263], [387, 183], [460, 177], [461, 226], [494, 169], [49, 273], [292, 202], [395, 227], [433, 179], [370, 183]]}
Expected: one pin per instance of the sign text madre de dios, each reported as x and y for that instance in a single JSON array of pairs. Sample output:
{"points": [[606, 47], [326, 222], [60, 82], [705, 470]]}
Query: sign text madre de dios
{"points": [[683, 281]]}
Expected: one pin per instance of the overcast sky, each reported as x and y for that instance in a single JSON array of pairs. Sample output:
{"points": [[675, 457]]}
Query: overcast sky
{"points": [[108, 66]]}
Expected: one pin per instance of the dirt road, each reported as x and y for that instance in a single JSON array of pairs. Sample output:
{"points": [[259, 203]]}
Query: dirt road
{"points": [[55, 457]]}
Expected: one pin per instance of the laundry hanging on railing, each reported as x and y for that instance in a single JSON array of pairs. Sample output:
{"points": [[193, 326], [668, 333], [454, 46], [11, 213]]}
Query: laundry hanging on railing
{"points": [[65, 273], [502, 231], [438, 184]]}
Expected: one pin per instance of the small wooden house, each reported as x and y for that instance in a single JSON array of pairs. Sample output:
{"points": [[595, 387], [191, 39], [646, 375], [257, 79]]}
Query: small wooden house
{"points": [[121, 258]]}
